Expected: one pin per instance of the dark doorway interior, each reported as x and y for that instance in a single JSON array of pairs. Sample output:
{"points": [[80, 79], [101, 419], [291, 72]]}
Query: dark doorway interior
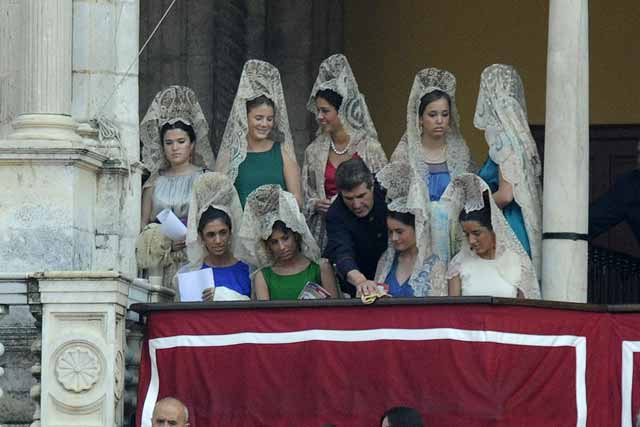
{"points": [[614, 257]]}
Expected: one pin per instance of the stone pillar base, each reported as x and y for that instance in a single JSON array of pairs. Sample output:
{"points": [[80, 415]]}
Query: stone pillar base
{"points": [[83, 336], [57, 127], [560, 282]]}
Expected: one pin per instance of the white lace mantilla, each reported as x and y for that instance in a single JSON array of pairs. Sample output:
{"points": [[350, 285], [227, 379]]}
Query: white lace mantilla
{"points": [[335, 74], [501, 112], [405, 194], [174, 103], [212, 189], [465, 192], [258, 78], [409, 148], [266, 205]]}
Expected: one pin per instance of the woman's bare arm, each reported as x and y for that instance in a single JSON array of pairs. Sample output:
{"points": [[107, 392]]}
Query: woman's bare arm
{"points": [[504, 195], [261, 288], [328, 278], [147, 203], [455, 286], [291, 172]]}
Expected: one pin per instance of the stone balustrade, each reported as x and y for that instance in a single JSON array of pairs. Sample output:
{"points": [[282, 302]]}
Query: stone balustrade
{"points": [[77, 352], [4, 310]]}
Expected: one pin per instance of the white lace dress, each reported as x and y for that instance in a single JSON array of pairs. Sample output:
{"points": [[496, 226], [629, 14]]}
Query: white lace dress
{"points": [[480, 276]]}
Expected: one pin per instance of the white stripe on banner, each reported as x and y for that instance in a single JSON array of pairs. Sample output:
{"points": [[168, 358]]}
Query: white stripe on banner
{"points": [[578, 342], [628, 348]]}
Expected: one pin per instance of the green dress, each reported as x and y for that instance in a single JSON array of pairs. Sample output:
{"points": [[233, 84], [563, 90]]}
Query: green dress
{"points": [[289, 287], [260, 169]]}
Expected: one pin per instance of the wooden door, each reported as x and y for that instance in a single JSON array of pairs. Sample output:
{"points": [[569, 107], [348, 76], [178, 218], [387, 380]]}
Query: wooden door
{"points": [[613, 151]]}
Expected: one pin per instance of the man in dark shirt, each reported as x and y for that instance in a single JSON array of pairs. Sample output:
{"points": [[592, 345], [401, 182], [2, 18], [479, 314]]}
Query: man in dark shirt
{"points": [[356, 227], [620, 203]]}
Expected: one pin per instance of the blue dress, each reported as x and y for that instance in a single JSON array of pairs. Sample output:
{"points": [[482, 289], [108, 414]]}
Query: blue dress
{"points": [[490, 173], [438, 178], [396, 289], [234, 277]]}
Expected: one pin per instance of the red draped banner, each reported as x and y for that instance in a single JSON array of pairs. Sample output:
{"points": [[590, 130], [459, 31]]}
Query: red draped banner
{"points": [[459, 364]]}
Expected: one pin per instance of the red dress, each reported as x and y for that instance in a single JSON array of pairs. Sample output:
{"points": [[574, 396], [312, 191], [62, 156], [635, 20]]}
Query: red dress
{"points": [[330, 189]]}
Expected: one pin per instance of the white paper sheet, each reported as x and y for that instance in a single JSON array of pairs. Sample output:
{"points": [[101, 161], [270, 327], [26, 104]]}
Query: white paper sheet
{"points": [[192, 284], [171, 226], [225, 294]]}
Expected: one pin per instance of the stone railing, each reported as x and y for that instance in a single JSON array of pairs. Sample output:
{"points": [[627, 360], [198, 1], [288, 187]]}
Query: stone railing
{"points": [[17, 334], [77, 341]]}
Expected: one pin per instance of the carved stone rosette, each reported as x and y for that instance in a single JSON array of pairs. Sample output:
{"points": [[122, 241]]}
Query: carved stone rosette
{"points": [[78, 368]]}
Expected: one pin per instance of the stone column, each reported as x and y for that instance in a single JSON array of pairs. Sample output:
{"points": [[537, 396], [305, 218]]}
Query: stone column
{"points": [[105, 84], [83, 326], [47, 73], [566, 159]]}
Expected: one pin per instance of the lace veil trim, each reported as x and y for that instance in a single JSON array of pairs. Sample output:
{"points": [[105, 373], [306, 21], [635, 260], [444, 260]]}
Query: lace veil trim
{"points": [[458, 155], [501, 112], [465, 192], [212, 189], [266, 205], [258, 78], [335, 73], [405, 194], [174, 103]]}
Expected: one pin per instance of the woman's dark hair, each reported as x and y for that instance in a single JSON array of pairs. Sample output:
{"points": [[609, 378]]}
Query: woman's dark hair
{"points": [[332, 97], [178, 124], [402, 416], [482, 216], [406, 218], [211, 214], [432, 96], [261, 100], [282, 227]]}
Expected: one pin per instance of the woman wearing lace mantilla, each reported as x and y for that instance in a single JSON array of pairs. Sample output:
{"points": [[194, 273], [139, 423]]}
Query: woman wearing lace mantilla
{"points": [[176, 150], [345, 131], [257, 147], [433, 144], [275, 239], [491, 261], [513, 168], [408, 266], [214, 220]]}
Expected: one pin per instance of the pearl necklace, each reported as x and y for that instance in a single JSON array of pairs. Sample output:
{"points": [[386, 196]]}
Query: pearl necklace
{"points": [[340, 152]]}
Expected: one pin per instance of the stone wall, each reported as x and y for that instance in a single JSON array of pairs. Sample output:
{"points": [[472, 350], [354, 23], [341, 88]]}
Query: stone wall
{"points": [[203, 44], [17, 334]]}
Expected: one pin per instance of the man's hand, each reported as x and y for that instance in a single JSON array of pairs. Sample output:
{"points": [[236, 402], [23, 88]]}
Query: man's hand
{"points": [[367, 287]]}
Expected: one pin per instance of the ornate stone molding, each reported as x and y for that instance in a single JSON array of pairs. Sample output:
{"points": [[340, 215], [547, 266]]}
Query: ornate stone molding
{"points": [[56, 127], [78, 367], [118, 376], [83, 346]]}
